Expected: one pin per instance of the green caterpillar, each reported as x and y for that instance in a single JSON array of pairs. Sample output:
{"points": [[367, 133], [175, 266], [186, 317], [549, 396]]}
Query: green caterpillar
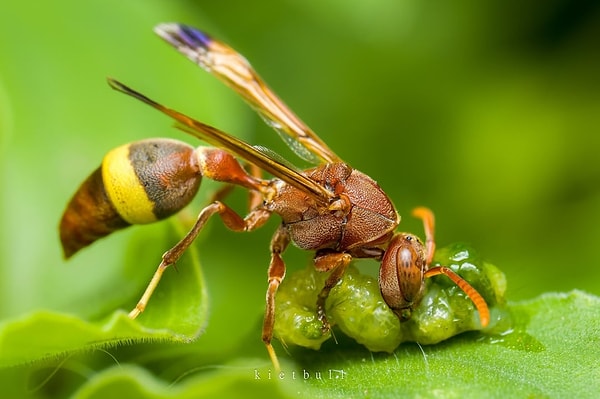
{"points": [[355, 305]]}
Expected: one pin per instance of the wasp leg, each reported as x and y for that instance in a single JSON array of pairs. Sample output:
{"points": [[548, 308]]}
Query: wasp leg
{"points": [[338, 262], [279, 243], [231, 219]]}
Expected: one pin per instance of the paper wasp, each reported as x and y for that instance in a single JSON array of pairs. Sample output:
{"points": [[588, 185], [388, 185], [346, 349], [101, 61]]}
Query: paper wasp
{"points": [[332, 209]]}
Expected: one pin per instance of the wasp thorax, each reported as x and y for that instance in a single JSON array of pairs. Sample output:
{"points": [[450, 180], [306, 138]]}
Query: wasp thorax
{"points": [[138, 183], [402, 273]]}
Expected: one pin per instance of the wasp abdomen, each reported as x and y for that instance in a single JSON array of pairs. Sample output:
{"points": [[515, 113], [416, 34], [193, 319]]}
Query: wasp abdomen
{"points": [[89, 216], [151, 179], [138, 183]]}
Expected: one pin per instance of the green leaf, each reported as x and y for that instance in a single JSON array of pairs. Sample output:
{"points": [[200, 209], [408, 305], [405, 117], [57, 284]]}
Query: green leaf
{"points": [[133, 382], [552, 351], [553, 335], [177, 312]]}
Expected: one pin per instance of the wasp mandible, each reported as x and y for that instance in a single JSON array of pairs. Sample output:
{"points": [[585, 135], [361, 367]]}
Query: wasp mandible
{"points": [[331, 209]]}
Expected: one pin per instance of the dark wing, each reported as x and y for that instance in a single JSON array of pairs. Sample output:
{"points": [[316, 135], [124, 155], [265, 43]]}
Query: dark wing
{"points": [[232, 68], [236, 146]]}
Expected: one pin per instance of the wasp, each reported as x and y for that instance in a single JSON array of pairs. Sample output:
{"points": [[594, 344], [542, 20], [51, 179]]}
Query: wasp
{"points": [[332, 209]]}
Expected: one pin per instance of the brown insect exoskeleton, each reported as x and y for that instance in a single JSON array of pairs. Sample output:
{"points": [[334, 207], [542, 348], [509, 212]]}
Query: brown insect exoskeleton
{"points": [[332, 209]]}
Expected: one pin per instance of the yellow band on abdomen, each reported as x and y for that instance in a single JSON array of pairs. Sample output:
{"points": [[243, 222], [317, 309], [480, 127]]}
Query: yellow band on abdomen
{"points": [[124, 188]]}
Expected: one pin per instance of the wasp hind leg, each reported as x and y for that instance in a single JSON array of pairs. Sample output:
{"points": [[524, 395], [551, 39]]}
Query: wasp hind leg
{"points": [[231, 219]]}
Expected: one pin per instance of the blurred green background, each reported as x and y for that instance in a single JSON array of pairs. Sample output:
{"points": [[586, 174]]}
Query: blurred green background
{"points": [[487, 112]]}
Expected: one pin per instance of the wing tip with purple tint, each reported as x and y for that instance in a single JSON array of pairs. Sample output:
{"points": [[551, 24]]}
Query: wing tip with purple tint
{"points": [[180, 35]]}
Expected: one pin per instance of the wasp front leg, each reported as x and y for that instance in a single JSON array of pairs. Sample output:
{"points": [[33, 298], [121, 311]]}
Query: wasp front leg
{"points": [[338, 262], [221, 166]]}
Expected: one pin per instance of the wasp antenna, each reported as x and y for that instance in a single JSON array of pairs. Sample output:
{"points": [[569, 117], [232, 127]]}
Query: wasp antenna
{"points": [[426, 215], [478, 301]]}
